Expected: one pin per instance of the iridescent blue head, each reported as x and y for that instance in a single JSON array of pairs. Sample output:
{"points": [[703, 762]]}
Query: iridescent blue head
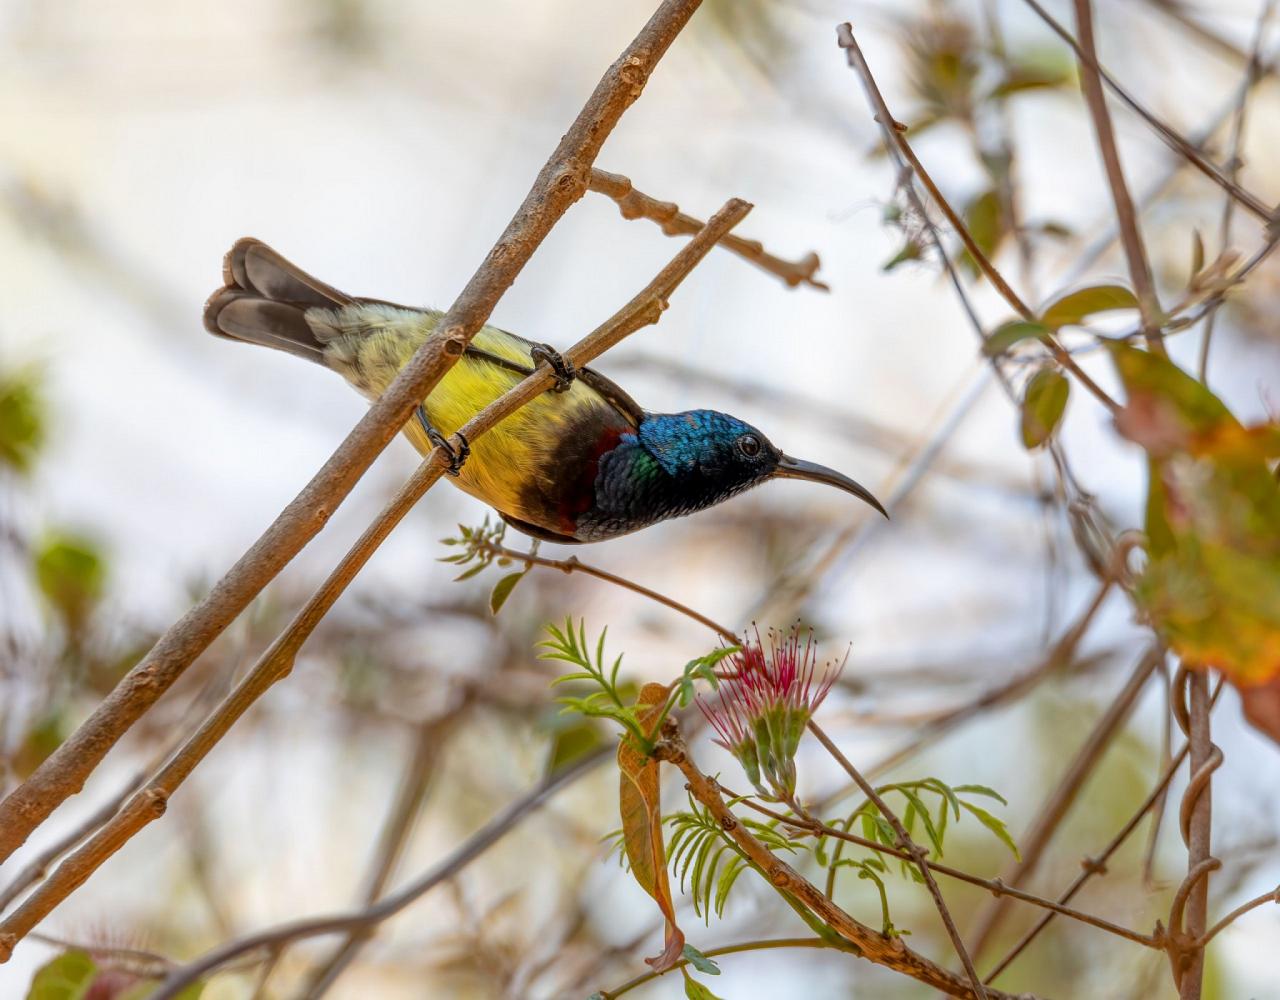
{"points": [[678, 463]]}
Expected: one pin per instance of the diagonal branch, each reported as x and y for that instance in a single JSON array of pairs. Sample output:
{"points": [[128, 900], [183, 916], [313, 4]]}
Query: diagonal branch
{"points": [[910, 848], [893, 130], [889, 952], [276, 663], [1064, 795], [561, 182], [1126, 215], [1171, 138], [273, 939], [635, 204]]}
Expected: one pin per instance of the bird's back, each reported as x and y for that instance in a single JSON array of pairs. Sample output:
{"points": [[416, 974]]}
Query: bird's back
{"points": [[536, 467]]}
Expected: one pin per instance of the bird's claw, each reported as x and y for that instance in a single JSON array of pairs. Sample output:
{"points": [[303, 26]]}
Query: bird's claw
{"points": [[457, 456], [563, 370]]}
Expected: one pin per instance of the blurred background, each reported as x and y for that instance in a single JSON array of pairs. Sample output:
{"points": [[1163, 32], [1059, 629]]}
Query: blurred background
{"points": [[383, 145]]}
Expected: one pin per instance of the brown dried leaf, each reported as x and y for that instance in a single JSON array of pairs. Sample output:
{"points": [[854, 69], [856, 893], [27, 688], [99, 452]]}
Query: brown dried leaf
{"points": [[640, 805]]}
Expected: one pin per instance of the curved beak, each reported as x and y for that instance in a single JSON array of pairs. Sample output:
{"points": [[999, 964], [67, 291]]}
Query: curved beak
{"points": [[796, 468]]}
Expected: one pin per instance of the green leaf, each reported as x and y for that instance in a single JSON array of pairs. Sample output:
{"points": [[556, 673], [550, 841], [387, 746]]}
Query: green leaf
{"points": [[468, 574], [21, 421], [994, 824], [571, 743], [66, 977], [990, 793], [1043, 404], [700, 961], [144, 989], [1019, 79], [71, 574], [502, 590], [1075, 307], [1013, 332], [694, 990], [984, 219], [911, 250]]}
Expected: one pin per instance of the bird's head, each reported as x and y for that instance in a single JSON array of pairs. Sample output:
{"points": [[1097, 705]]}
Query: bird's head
{"points": [[713, 456]]}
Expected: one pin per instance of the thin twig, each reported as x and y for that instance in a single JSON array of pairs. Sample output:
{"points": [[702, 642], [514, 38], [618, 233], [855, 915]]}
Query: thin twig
{"points": [[635, 204], [912, 849], [1126, 216], [893, 131], [404, 811], [1097, 864], [993, 885], [1197, 826], [1167, 134], [273, 939], [574, 565], [728, 949], [881, 949], [561, 182], [1253, 73], [1267, 897], [147, 805], [1060, 800]]}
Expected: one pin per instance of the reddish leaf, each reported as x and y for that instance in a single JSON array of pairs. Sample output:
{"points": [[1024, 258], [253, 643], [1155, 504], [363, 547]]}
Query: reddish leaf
{"points": [[641, 809], [1211, 587], [1261, 703]]}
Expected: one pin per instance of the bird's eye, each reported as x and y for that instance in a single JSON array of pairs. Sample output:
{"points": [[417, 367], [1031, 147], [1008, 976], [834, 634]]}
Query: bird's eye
{"points": [[749, 445]]}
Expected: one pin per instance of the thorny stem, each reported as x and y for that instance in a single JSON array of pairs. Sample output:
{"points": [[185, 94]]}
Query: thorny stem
{"points": [[893, 131], [635, 204], [646, 307], [561, 182], [912, 849], [1126, 215]]}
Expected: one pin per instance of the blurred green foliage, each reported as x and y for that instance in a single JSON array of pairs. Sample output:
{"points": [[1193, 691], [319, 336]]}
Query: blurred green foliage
{"points": [[22, 424]]}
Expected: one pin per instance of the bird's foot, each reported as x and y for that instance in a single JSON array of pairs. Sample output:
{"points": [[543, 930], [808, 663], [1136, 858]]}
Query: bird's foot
{"points": [[563, 370], [457, 456]]}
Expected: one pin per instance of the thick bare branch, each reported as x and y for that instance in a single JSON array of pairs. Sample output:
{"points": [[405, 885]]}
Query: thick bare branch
{"points": [[149, 804], [562, 181]]}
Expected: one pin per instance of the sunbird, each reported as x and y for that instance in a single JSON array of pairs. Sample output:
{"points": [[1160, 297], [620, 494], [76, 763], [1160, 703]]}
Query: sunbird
{"points": [[580, 463]]}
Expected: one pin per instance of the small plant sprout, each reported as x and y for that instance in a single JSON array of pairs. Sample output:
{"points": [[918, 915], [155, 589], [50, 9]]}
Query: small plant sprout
{"points": [[773, 690]]}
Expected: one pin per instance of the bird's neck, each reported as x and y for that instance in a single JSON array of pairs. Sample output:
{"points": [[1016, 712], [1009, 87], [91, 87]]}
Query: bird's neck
{"points": [[650, 476]]}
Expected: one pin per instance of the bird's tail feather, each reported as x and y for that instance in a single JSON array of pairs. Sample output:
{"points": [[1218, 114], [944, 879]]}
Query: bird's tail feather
{"points": [[264, 300]]}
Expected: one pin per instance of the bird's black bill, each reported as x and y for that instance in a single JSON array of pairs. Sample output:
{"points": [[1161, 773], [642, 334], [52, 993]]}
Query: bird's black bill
{"points": [[796, 468]]}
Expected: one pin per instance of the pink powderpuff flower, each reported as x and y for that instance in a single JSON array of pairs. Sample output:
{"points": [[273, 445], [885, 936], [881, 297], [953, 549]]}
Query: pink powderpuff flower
{"points": [[766, 704]]}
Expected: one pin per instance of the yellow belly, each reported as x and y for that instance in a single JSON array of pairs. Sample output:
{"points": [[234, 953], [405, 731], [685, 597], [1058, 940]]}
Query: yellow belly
{"points": [[371, 342]]}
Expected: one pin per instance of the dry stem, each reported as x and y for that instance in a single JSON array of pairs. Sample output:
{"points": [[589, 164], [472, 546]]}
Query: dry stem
{"points": [[277, 661], [562, 181], [893, 131], [635, 204], [890, 952]]}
